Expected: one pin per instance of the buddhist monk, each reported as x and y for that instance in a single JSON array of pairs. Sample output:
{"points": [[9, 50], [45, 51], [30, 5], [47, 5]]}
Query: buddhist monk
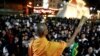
{"points": [[42, 47]]}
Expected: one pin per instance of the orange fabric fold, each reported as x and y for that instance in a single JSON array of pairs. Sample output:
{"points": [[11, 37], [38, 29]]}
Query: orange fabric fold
{"points": [[43, 47]]}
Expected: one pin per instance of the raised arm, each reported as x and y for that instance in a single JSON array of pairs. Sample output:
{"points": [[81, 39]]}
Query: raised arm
{"points": [[77, 30]]}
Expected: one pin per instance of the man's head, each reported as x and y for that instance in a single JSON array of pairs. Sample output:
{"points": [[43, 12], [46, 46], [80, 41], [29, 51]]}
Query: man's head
{"points": [[41, 30], [83, 36], [90, 50]]}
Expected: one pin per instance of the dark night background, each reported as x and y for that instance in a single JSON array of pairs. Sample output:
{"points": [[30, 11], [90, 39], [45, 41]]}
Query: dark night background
{"points": [[12, 1], [93, 3]]}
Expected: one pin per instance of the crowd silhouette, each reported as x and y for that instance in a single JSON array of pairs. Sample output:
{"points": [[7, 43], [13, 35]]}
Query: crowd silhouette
{"points": [[17, 31]]}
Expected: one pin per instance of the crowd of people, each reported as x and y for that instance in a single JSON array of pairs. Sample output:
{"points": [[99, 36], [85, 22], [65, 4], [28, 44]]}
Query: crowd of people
{"points": [[88, 38], [17, 31]]}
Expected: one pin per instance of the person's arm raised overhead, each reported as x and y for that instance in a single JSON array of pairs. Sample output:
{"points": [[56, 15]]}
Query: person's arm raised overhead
{"points": [[77, 30]]}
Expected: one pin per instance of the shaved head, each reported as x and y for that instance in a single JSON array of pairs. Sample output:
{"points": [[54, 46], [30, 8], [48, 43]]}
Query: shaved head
{"points": [[41, 29]]}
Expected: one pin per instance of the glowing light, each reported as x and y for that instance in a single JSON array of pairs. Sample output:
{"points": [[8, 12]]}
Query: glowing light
{"points": [[30, 3], [91, 8], [29, 6], [94, 8], [98, 11], [45, 4], [74, 9]]}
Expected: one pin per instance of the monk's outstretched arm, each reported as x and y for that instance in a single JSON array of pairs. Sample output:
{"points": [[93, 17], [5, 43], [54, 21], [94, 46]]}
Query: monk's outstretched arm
{"points": [[77, 30]]}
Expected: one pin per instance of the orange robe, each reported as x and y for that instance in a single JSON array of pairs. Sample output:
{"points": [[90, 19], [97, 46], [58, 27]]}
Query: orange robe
{"points": [[43, 47]]}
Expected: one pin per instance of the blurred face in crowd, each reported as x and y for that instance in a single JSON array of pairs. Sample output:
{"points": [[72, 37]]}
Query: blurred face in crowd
{"points": [[3, 32], [66, 31], [19, 29], [28, 30], [26, 37], [53, 33], [31, 28], [88, 30], [62, 32], [16, 39], [10, 31], [69, 36], [93, 30], [26, 33], [83, 36], [6, 29], [59, 28], [16, 27], [98, 29], [92, 38], [90, 50], [0, 42]]}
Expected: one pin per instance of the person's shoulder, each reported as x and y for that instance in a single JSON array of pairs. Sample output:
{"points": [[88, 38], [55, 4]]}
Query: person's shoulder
{"points": [[58, 42]]}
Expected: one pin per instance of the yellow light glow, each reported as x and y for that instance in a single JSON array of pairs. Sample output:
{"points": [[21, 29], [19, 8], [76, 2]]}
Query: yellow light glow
{"points": [[74, 9], [29, 6], [30, 3]]}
